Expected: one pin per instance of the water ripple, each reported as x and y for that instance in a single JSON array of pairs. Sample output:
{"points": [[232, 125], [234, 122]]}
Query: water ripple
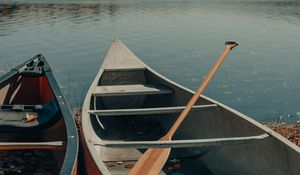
{"points": [[180, 39]]}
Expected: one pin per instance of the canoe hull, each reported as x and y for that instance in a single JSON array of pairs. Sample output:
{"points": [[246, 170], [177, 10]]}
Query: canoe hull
{"points": [[86, 158], [102, 122], [30, 90]]}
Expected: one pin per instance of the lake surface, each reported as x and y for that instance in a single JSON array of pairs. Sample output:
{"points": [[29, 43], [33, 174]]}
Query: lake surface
{"points": [[180, 39]]}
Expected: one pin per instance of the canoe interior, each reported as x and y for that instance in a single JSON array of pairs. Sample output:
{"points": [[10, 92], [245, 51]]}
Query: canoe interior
{"points": [[31, 91], [158, 122], [124, 124], [216, 122], [26, 90]]}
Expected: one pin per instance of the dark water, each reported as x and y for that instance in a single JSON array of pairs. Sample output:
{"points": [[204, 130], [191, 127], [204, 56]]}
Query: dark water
{"points": [[180, 39]]}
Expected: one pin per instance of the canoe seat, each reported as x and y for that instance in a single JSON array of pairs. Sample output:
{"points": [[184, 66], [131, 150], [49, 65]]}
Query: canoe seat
{"points": [[137, 89], [55, 145], [182, 143], [12, 116], [147, 111]]}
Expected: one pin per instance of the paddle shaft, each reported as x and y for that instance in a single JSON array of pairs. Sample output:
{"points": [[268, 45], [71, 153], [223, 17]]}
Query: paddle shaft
{"points": [[153, 160], [196, 96]]}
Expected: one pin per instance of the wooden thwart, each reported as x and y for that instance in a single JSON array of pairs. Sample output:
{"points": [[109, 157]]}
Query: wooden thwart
{"points": [[147, 111], [182, 143], [55, 145], [138, 89], [21, 107]]}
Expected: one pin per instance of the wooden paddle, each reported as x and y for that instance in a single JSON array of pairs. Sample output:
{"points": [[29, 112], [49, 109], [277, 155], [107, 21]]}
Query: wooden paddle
{"points": [[153, 160]]}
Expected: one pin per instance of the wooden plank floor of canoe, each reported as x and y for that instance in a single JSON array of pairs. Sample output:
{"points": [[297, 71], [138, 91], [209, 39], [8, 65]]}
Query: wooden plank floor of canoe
{"points": [[117, 154], [119, 160]]}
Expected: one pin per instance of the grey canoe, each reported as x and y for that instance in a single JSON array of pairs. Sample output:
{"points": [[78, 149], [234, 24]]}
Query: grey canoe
{"points": [[129, 106]]}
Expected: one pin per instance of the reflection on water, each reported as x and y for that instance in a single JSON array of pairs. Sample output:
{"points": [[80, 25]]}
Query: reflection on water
{"points": [[180, 39], [49, 13]]}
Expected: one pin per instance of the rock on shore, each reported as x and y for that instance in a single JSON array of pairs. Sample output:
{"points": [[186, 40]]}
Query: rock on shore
{"points": [[289, 131]]}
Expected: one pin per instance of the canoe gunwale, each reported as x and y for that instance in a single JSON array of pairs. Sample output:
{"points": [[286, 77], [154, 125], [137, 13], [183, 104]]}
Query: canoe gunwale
{"points": [[88, 132], [70, 160]]}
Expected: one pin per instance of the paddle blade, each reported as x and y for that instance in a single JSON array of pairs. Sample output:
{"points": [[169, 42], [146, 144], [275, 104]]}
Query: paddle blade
{"points": [[151, 162]]}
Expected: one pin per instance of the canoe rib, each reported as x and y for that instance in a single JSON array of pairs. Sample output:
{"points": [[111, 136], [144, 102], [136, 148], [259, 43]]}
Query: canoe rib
{"points": [[139, 89], [146, 111], [183, 143], [55, 145]]}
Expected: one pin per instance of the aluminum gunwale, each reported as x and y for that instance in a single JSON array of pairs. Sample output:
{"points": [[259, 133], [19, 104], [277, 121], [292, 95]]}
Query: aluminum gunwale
{"points": [[70, 160]]}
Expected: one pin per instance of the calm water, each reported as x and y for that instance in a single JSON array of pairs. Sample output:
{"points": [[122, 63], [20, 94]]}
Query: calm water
{"points": [[180, 39]]}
